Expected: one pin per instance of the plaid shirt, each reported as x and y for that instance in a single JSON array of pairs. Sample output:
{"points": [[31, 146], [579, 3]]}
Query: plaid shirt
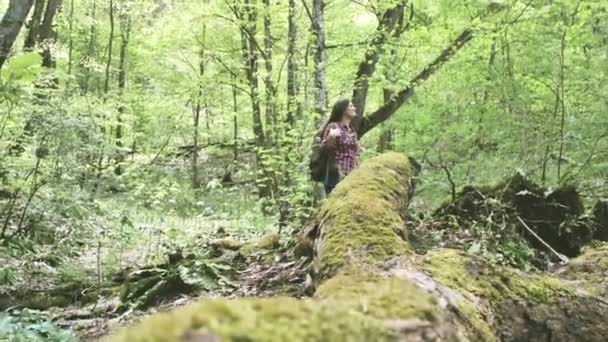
{"points": [[345, 146]]}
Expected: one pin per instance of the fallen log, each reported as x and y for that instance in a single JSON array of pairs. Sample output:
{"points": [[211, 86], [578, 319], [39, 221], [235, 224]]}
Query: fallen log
{"points": [[372, 287]]}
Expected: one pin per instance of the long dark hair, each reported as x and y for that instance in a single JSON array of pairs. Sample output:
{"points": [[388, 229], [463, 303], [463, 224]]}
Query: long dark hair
{"points": [[337, 112]]}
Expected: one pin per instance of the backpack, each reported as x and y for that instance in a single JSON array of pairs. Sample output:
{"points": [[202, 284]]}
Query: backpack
{"points": [[322, 163], [318, 161]]}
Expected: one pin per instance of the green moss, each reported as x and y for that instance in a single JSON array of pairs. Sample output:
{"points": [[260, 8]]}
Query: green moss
{"points": [[361, 221], [268, 320], [478, 325], [349, 307], [494, 283], [590, 270], [378, 296], [484, 286], [228, 243], [265, 243]]}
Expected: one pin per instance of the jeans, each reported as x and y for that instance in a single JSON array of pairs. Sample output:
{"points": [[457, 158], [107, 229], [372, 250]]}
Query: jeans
{"points": [[331, 181]]}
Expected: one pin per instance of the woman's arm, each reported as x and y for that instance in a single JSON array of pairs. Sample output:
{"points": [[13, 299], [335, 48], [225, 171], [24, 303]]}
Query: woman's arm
{"points": [[332, 132]]}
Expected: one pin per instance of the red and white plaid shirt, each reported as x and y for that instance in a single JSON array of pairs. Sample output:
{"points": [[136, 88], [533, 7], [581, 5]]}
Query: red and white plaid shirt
{"points": [[345, 146]]}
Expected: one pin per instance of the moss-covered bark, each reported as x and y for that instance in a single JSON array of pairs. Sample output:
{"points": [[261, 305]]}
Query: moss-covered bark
{"points": [[360, 222], [371, 287], [589, 271]]}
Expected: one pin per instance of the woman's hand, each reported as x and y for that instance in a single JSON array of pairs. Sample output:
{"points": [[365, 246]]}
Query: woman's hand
{"points": [[334, 132]]}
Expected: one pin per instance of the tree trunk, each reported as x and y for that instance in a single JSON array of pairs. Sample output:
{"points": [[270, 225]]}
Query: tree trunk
{"points": [[106, 90], [106, 84], [294, 109], [197, 114], [11, 24], [366, 123], [318, 30], [47, 35], [388, 25], [246, 12], [35, 22], [371, 287], [125, 33], [367, 67], [385, 142], [268, 81], [70, 48], [90, 52], [235, 120]]}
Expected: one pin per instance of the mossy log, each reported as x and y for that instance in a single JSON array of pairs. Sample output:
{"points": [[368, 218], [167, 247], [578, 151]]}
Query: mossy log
{"points": [[372, 287]]}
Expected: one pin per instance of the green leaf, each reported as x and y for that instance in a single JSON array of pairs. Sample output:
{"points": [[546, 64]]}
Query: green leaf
{"points": [[23, 68]]}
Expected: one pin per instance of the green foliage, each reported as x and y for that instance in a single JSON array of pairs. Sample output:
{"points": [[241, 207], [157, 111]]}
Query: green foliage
{"points": [[107, 175], [31, 325], [515, 251], [24, 68]]}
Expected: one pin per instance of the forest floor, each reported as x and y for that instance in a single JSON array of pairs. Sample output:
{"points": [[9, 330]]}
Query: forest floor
{"points": [[219, 260]]}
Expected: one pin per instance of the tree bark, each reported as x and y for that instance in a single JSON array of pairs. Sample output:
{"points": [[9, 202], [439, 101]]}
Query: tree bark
{"points": [[11, 24], [387, 26], [268, 81], [35, 22], [70, 48], [246, 12], [106, 84], [197, 113], [48, 34], [318, 30], [366, 123], [371, 287], [84, 84], [42, 32], [385, 142], [294, 109], [125, 33]]}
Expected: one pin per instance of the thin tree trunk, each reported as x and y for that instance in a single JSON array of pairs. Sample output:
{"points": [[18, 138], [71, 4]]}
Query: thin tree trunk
{"points": [[106, 90], [235, 118], [562, 76], [90, 49], [11, 24], [106, 86], [385, 142], [294, 109], [268, 81], [318, 30], [70, 48], [125, 33], [562, 103], [247, 13], [197, 115]]}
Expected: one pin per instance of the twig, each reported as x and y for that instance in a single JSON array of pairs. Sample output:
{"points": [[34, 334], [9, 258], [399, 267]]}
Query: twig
{"points": [[563, 258]]}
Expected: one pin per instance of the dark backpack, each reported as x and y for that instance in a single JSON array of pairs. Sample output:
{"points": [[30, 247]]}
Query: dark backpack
{"points": [[318, 161]]}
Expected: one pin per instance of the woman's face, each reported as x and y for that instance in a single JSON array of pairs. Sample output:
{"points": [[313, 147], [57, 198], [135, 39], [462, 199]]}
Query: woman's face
{"points": [[351, 111]]}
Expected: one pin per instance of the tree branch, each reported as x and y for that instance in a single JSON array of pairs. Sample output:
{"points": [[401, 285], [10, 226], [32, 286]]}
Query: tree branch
{"points": [[388, 22], [390, 107]]}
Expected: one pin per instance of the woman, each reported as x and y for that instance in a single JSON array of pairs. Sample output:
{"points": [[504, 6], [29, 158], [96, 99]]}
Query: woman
{"points": [[340, 141]]}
